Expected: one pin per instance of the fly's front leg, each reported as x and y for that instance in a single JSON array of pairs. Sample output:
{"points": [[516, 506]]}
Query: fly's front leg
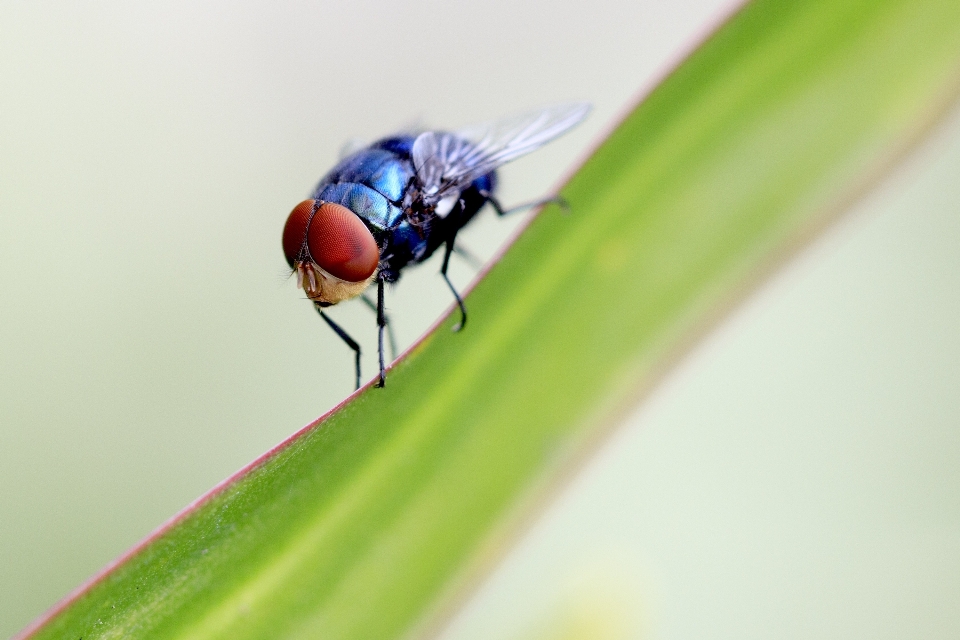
{"points": [[381, 324], [391, 338], [346, 338], [451, 241]]}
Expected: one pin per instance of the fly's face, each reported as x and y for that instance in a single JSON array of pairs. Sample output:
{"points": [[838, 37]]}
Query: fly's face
{"points": [[331, 250]]}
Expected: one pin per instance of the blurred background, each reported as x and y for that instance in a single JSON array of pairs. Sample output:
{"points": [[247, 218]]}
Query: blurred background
{"points": [[797, 475]]}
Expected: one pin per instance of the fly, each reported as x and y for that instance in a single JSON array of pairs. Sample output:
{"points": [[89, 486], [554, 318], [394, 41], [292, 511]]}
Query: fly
{"points": [[397, 201]]}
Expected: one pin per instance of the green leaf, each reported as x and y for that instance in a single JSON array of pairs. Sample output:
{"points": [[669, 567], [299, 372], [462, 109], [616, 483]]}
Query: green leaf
{"points": [[369, 523]]}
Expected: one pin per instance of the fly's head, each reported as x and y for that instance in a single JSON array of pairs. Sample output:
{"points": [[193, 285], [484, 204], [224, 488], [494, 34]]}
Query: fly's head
{"points": [[332, 252]]}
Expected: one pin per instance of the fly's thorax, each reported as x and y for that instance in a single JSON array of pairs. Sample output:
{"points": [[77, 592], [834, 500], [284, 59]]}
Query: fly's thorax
{"points": [[321, 286]]}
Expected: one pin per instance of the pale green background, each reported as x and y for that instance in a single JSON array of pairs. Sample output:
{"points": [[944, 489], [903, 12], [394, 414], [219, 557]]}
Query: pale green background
{"points": [[798, 476]]}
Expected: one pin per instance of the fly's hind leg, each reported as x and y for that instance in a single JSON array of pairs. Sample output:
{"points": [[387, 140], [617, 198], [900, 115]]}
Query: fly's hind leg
{"points": [[451, 246], [451, 242], [468, 256], [350, 342], [560, 201]]}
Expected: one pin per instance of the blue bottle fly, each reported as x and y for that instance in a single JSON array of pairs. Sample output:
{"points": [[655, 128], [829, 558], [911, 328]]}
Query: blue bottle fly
{"points": [[397, 201]]}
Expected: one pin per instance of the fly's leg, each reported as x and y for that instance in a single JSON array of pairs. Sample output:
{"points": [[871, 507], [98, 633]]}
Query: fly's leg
{"points": [[560, 201], [346, 338], [391, 338], [451, 241], [468, 256], [381, 324]]}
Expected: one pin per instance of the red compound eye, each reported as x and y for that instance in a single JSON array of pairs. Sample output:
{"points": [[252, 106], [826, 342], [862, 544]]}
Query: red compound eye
{"points": [[337, 241], [295, 233]]}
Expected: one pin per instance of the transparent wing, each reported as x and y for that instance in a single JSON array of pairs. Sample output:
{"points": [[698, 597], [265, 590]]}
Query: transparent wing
{"points": [[448, 162]]}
